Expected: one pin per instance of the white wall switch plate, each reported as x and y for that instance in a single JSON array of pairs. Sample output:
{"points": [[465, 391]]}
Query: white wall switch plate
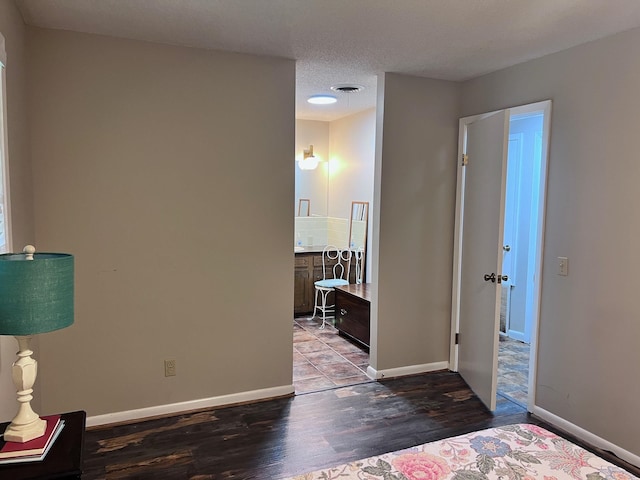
{"points": [[563, 266]]}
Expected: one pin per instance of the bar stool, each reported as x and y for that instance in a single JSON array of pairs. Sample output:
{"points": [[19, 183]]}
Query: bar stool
{"points": [[336, 265]]}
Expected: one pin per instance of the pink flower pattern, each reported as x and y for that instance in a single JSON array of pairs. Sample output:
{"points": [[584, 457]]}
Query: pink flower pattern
{"points": [[539, 431], [527, 452], [421, 466]]}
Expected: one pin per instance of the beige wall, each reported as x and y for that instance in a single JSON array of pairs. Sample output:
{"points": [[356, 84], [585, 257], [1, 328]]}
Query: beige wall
{"points": [[352, 168], [13, 30], [589, 328], [348, 144], [416, 177], [352, 161], [168, 172]]}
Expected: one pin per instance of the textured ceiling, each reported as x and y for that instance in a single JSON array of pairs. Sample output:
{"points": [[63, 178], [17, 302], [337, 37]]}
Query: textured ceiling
{"points": [[352, 41]]}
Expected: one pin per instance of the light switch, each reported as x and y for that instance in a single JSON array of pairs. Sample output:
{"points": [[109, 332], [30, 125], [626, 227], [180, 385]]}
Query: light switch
{"points": [[563, 266]]}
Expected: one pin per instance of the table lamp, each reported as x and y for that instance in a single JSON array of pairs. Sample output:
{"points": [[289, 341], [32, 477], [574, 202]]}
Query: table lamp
{"points": [[36, 296]]}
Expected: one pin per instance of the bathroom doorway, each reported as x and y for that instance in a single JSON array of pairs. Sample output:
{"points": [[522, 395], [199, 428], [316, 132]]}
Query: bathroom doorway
{"points": [[498, 248], [345, 153], [521, 233]]}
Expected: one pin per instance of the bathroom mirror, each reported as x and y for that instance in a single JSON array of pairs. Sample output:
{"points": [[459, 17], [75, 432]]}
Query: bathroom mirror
{"points": [[304, 207], [358, 224]]}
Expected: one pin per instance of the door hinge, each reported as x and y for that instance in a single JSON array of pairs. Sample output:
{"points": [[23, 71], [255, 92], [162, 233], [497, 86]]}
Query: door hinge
{"points": [[457, 338], [465, 160]]}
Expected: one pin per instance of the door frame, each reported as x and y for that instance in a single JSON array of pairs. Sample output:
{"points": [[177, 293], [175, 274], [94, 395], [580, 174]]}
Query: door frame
{"points": [[545, 107], [4, 151], [512, 221]]}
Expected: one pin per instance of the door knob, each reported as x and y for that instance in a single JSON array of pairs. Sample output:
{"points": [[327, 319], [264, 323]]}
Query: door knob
{"points": [[506, 248], [491, 277], [502, 278]]}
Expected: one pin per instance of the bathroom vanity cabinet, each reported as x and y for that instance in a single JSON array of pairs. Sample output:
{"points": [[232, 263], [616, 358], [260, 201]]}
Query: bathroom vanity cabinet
{"points": [[303, 289], [307, 270]]}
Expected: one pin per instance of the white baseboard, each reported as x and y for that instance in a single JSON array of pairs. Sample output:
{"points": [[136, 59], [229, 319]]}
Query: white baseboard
{"points": [[585, 435], [516, 335], [140, 413], [374, 374]]}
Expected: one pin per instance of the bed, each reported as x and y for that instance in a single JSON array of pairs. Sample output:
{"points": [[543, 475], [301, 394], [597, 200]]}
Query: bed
{"points": [[512, 452]]}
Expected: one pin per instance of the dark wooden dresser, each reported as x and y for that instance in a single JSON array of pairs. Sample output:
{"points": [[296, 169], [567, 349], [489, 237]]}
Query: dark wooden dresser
{"points": [[353, 307]]}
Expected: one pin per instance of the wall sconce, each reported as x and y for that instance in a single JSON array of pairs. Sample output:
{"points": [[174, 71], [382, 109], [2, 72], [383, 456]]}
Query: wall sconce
{"points": [[309, 160]]}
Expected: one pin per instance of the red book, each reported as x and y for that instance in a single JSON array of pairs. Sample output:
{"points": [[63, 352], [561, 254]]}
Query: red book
{"points": [[37, 446]]}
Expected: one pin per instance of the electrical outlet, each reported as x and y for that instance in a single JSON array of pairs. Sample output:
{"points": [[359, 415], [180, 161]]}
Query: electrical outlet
{"points": [[563, 266], [169, 368]]}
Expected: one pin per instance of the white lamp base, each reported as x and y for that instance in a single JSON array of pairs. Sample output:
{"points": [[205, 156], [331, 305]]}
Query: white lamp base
{"points": [[26, 425], [24, 433]]}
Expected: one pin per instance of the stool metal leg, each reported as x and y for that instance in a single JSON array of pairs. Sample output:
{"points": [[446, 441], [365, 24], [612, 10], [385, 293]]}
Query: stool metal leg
{"points": [[315, 303], [324, 307]]}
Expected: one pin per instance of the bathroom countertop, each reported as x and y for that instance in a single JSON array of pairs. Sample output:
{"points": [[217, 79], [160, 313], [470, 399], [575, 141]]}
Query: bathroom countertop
{"points": [[310, 249]]}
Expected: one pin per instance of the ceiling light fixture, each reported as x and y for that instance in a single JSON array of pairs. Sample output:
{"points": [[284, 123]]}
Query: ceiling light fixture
{"points": [[322, 99], [309, 160]]}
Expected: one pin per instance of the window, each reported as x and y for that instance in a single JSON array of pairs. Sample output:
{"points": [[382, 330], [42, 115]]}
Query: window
{"points": [[5, 237]]}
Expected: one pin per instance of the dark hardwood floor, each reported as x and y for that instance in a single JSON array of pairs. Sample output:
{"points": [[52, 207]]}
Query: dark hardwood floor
{"points": [[288, 436]]}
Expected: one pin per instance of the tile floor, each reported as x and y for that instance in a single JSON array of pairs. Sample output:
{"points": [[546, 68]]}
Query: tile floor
{"points": [[322, 359], [513, 362], [513, 369]]}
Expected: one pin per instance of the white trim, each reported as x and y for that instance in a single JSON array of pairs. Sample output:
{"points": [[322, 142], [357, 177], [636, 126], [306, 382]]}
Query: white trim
{"points": [[4, 149], [222, 400], [586, 435], [545, 106], [3, 51], [516, 335], [457, 246], [374, 374]]}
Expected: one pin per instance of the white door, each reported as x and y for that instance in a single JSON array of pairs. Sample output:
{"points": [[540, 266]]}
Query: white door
{"points": [[482, 220]]}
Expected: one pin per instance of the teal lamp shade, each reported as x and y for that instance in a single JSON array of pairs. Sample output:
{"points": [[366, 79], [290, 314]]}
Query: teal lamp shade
{"points": [[36, 296]]}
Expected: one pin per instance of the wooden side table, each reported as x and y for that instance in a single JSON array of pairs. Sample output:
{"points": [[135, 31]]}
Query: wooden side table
{"points": [[64, 460]]}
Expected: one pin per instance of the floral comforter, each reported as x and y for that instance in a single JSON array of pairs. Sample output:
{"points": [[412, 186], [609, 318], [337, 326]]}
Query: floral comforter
{"points": [[513, 452]]}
